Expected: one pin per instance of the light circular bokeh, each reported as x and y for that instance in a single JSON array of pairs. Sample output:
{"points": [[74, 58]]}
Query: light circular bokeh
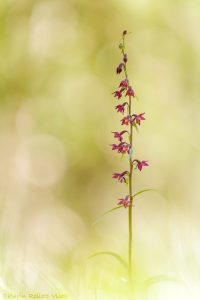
{"points": [[40, 160]]}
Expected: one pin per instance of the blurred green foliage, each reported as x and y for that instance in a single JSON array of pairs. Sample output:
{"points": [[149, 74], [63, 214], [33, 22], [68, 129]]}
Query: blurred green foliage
{"points": [[57, 70]]}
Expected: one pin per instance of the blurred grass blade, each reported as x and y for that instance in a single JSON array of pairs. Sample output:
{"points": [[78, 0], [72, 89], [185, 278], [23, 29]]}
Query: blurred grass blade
{"points": [[143, 191], [107, 212], [115, 255], [158, 279]]}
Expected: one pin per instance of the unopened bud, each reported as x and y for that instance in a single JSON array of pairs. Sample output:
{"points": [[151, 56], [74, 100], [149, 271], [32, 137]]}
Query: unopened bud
{"points": [[125, 59], [124, 32]]}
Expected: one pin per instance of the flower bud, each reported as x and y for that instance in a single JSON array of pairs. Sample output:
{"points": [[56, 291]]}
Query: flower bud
{"points": [[119, 68], [125, 59]]}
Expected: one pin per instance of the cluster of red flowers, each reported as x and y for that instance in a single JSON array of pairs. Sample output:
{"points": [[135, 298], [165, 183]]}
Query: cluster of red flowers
{"points": [[126, 90]]}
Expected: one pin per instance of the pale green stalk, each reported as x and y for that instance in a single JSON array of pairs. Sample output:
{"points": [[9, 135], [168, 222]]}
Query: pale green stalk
{"points": [[130, 208]]}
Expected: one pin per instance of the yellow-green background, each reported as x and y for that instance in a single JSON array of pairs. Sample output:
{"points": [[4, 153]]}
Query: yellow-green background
{"points": [[57, 73]]}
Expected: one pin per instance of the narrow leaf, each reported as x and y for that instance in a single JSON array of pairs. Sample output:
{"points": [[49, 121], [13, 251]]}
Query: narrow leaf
{"points": [[157, 279], [107, 212], [143, 191], [115, 255], [136, 127]]}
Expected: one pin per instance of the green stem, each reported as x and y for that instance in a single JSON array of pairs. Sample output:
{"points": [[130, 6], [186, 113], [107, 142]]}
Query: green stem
{"points": [[130, 208]]}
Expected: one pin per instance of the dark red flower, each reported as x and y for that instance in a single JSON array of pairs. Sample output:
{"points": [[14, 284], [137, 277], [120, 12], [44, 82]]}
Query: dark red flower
{"points": [[120, 68], [118, 135], [120, 176], [140, 164], [126, 120], [124, 201], [117, 94], [130, 92], [123, 147], [124, 83], [121, 107], [138, 118]]}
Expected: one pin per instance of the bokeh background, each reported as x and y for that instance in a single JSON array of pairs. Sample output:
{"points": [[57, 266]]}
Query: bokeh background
{"points": [[57, 73]]}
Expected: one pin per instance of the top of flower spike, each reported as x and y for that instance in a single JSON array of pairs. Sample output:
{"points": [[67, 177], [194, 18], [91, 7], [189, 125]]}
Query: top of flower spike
{"points": [[125, 89]]}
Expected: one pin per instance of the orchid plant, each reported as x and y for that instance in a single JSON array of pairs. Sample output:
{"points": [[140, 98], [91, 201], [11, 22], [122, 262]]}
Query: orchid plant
{"points": [[124, 146]]}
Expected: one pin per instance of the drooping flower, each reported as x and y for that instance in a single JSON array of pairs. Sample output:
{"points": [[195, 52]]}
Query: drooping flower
{"points": [[140, 164], [120, 176], [121, 107], [117, 94], [123, 147], [138, 118], [124, 201], [130, 92], [126, 120], [118, 135], [125, 58], [124, 83], [120, 68]]}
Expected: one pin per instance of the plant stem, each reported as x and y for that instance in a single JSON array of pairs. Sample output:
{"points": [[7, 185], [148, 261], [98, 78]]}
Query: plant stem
{"points": [[130, 208], [131, 204]]}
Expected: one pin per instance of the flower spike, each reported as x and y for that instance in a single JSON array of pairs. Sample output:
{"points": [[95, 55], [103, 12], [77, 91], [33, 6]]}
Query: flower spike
{"points": [[124, 143]]}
